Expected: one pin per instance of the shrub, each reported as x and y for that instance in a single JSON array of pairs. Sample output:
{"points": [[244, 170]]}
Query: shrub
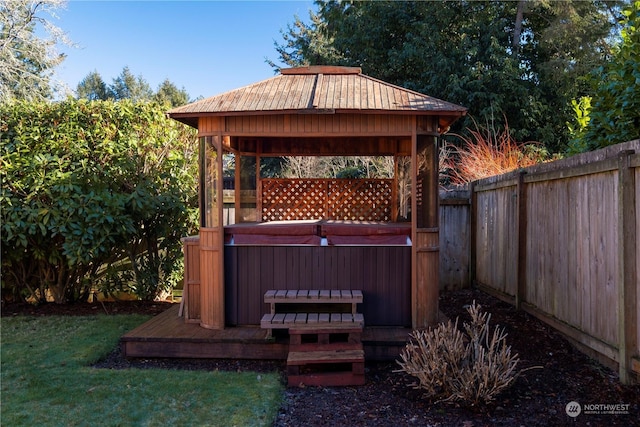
{"points": [[487, 153], [88, 185], [472, 367], [614, 115]]}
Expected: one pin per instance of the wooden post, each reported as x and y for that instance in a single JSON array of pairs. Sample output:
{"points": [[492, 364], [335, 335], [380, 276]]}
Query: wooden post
{"points": [[424, 218], [473, 227], [521, 286], [627, 275], [415, 321], [394, 191], [258, 181], [237, 189], [212, 313]]}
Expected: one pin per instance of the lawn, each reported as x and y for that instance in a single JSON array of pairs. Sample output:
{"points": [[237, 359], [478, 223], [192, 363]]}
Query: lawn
{"points": [[47, 380]]}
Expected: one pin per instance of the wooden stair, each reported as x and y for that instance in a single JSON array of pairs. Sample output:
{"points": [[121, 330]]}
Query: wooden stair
{"points": [[325, 357]]}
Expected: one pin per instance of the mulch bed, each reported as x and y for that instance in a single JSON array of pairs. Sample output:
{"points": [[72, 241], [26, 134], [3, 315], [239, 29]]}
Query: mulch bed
{"points": [[537, 398]]}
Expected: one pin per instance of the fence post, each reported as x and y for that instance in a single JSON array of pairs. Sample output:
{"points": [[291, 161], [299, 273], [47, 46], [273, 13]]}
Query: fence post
{"points": [[627, 286], [521, 286], [473, 226]]}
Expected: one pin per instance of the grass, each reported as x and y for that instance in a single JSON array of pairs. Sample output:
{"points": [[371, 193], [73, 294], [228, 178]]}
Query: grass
{"points": [[47, 381]]}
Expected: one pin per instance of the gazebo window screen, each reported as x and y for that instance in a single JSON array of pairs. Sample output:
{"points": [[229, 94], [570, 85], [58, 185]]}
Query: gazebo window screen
{"points": [[210, 187], [426, 182]]}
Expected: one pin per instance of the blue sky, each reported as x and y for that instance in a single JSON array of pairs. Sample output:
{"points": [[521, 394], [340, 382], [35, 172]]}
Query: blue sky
{"points": [[207, 47]]}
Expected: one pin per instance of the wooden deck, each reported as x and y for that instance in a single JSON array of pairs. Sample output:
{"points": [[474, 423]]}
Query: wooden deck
{"points": [[167, 335]]}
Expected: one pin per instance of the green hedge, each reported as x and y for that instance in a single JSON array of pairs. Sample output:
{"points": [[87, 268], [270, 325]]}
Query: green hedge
{"points": [[94, 194]]}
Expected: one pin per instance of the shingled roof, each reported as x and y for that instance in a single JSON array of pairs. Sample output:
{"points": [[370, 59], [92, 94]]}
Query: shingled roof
{"points": [[318, 89]]}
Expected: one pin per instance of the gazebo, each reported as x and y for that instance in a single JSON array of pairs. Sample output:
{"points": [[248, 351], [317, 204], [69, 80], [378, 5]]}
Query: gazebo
{"points": [[379, 236]]}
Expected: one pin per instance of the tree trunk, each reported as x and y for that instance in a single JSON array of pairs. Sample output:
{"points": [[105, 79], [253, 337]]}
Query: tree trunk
{"points": [[517, 28]]}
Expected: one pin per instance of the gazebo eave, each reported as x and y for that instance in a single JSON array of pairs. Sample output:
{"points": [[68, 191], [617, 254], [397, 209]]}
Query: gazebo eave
{"points": [[445, 118]]}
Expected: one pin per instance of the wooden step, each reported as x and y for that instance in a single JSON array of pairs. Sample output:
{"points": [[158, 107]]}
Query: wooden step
{"points": [[325, 339], [325, 379], [311, 296], [312, 320], [328, 329], [324, 356], [313, 368]]}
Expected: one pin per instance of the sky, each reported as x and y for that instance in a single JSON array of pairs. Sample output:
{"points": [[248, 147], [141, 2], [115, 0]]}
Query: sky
{"points": [[205, 47]]}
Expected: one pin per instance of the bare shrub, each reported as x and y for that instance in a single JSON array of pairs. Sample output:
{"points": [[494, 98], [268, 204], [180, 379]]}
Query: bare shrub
{"points": [[472, 367]]}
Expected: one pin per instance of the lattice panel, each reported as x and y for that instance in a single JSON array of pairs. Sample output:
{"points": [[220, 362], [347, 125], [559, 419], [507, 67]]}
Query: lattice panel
{"points": [[359, 200], [293, 199], [336, 199]]}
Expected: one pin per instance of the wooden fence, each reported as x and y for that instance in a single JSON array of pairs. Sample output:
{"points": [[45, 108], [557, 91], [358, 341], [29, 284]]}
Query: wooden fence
{"points": [[559, 240]]}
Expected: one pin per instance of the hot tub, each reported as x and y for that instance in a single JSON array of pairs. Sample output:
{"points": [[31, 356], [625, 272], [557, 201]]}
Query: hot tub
{"points": [[372, 257]]}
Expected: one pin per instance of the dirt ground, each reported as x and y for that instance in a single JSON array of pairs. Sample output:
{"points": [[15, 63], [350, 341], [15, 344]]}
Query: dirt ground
{"points": [[538, 397]]}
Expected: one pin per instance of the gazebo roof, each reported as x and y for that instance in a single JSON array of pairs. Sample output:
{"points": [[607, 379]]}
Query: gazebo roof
{"points": [[313, 89]]}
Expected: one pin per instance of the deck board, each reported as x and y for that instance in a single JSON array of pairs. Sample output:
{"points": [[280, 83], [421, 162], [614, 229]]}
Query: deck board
{"points": [[167, 335]]}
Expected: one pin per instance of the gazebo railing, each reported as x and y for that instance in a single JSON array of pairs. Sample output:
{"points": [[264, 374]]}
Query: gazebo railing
{"points": [[332, 199]]}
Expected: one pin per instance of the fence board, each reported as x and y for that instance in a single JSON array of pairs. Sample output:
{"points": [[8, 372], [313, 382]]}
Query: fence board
{"points": [[571, 250], [497, 222], [637, 257], [454, 240]]}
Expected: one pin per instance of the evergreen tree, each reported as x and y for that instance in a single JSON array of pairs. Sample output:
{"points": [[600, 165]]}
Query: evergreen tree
{"points": [[128, 86], [168, 93], [92, 87], [509, 62]]}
